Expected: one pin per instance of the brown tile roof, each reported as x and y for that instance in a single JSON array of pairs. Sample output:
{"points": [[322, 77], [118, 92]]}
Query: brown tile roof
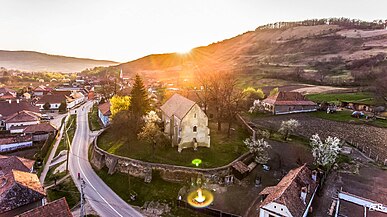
{"points": [[4, 90], [53, 98], [177, 105], [42, 127], [105, 108], [42, 88], [23, 116], [240, 167], [7, 109], [18, 187], [57, 208], [287, 191], [288, 98], [7, 163], [6, 93], [14, 139], [28, 180]]}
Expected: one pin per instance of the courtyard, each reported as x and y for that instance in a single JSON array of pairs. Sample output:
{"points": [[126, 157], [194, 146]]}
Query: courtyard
{"points": [[223, 150]]}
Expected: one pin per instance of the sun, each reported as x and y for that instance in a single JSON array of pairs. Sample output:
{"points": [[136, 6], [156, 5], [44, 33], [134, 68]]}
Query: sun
{"points": [[183, 51]]}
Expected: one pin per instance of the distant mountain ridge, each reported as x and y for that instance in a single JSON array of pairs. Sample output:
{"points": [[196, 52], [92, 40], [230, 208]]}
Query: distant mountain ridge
{"points": [[32, 61]]}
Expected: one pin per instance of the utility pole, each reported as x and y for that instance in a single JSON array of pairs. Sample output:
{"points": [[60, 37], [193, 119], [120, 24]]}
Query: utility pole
{"points": [[82, 199]]}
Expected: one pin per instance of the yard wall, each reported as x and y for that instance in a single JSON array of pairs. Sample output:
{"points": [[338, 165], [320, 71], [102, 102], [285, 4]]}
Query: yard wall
{"points": [[142, 169]]}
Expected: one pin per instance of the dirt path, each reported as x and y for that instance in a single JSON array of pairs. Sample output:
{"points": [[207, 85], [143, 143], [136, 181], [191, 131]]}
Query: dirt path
{"points": [[52, 153]]}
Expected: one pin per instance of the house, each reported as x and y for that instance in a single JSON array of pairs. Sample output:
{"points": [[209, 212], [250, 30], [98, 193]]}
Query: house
{"points": [[185, 123], [104, 113], [41, 90], [288, 102], [19, 120], [53, 99], [14, 142], [292, 196], [40, 132], [10, 107], [7, 94], [57, 208], [20, 189]]}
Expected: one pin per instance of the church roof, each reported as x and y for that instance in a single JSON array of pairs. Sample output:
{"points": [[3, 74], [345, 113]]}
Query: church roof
{"points": [[177, 105]]}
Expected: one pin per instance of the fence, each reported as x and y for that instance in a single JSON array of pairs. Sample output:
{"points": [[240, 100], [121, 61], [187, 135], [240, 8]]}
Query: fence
{"points": [[370, 152], [207, 210]]}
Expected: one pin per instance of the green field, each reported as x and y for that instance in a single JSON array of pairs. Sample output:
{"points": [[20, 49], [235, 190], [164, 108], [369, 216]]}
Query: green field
{"points": [[71, 125], [94, 123], [223, 150], [359, 97]]}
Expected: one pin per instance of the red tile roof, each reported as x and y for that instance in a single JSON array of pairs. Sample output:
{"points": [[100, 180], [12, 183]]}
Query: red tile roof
{"points": [[14, 139], [7, 109], [7, 163], [23, 116], [18, 187], [287, 191], [43, 127], [288, 98], [105, 108], [57, 208], [54, 98]]}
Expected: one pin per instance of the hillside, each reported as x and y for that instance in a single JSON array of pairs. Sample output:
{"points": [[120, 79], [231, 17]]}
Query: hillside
{"points": [[34, 61], [334, 54]]}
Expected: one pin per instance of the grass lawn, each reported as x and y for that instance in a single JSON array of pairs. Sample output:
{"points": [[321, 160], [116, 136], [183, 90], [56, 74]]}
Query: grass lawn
{"points": [[94, 120], [65, 189], [223, 150], [71, 125], [360, 97], [345, 116], [157, 190]]}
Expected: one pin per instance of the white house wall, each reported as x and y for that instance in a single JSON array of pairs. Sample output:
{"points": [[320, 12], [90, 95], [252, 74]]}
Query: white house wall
{"points": [[10, 124], [14, 146], [274, 209]]}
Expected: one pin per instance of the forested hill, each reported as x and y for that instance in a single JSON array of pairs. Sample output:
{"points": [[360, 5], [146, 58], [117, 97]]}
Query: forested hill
{"points": [[37, 62]]}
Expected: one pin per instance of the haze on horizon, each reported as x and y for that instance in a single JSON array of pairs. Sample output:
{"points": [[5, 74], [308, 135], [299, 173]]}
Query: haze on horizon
{"points": [[122, 30]]}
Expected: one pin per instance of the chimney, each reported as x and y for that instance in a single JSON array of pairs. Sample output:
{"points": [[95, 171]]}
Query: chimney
{"points": [[314, 175], [304, 191]]}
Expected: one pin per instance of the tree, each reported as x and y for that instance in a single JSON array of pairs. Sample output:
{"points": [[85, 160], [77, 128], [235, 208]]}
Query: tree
{"points": [[63, 106], [274, 91], [46, 106], [259, 149], [288, 127], [151, 132], [119, 103], [140, 103], [252, 94], [325, 152]]}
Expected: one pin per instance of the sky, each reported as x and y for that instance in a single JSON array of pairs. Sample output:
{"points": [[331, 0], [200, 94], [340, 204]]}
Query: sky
{"points": [[124, 30]]}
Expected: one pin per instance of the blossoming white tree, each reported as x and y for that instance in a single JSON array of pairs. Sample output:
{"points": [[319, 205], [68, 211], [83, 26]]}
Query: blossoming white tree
{"points": [[288, 127], [259, 149], [325, 152], [151, 132]]}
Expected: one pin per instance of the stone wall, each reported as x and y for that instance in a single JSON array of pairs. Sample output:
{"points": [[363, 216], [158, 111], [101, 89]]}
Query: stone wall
{"points": [[142, 169]]}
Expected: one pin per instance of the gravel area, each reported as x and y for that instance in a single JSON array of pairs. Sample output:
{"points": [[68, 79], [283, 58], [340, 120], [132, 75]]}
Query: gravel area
{"points": [[373, 138]]}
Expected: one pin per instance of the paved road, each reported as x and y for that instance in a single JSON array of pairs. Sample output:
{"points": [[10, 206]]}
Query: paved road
{"points": [[103, 200]]}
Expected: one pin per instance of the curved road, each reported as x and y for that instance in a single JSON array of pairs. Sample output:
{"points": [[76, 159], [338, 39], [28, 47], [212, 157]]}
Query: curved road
{"points": [[103, 200]]}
